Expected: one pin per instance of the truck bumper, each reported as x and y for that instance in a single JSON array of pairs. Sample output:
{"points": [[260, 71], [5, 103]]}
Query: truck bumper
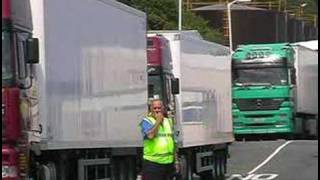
{"points": [[263, 122], [270, 130]]}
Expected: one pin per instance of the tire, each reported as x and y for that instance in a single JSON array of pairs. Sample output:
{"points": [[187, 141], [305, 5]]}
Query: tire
{"points": [[184, 167], [206, 176], [216, 167], [47, 172], [223, 164], [124, 168], [220, 169]]}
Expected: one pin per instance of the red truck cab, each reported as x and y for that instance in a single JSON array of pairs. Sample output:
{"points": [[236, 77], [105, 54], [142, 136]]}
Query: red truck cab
{"points": [[155, 69], [13, 84], [11, 125], [154, 49], [161, 82], [9, 163]]}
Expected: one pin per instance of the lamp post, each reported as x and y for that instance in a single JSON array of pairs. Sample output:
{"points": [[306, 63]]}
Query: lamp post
{"points": [[301, 8], [180, 15], [229, 20]]}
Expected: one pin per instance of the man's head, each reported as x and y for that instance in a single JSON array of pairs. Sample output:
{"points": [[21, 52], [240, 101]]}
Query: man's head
{"points": [[156, 106]]}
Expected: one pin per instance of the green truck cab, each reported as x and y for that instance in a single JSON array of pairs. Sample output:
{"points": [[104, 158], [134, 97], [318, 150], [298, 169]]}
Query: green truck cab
{"points": [[262, 90]]}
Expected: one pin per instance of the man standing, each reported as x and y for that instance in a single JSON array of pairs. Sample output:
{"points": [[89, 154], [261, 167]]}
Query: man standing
{"points": [[158, 145]]}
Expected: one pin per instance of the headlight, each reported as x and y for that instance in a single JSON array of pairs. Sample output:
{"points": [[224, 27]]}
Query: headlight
{"points": [[9, 172], [234, 106], [282, 116], [238, 124], [282, 123]]}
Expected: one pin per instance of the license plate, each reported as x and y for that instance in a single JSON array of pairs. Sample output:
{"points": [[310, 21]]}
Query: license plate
{"points": [[258, 120]]}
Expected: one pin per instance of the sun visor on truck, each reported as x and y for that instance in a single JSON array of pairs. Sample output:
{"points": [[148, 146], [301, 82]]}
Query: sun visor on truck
{"points": [[261, 63], [21, 14]]}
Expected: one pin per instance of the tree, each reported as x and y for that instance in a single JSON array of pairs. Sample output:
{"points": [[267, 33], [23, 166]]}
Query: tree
{"points": [[310, 8], [163, 15], [192, 21]]}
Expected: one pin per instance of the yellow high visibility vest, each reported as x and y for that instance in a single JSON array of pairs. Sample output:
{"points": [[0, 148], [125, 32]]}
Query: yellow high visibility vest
{"points": [[160, 149]]}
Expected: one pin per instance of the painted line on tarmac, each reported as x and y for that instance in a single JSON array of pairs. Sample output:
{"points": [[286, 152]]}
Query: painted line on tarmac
{"points": [[270, 157]]}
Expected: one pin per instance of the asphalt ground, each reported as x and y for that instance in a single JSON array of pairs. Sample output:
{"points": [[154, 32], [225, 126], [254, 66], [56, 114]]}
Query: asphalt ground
{"points": [[294, 160]]}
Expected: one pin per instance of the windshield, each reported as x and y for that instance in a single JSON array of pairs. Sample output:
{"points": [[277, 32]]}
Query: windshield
{"points": [[155, 87], [261, 76], [7, 70]]}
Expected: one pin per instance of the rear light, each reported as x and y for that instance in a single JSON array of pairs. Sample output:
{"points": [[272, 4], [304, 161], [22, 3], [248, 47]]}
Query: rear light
{"points": [[11, 120], [9, 163]]}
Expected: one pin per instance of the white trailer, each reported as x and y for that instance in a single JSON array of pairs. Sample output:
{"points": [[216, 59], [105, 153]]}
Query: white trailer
{"points": [[203, 111], [89, 90], [306, 88]]}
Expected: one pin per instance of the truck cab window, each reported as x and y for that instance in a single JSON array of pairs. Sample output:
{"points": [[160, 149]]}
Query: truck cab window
{"points": [[149, 43], [7, 66], [155, 87], [274, 76]]}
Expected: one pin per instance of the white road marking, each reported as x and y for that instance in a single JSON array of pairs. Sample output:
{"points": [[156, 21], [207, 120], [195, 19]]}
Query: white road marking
{"points": [[253, 177], [270, 157]]}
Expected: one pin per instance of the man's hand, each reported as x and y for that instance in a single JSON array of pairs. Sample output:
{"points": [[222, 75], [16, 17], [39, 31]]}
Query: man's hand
{"points": [[159, 117]]}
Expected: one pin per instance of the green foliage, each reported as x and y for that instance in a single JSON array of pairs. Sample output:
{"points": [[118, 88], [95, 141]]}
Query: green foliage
{"points": [[192, 21], [310, 8], [163, 15]]}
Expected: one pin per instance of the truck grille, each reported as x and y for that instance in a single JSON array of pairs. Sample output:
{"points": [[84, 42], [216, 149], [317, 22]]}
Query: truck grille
{"points": [[258, 104]]}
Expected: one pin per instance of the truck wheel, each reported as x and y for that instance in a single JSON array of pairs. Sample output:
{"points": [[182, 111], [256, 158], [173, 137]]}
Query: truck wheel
{"points": [[216, 168], [183, 167], [223, 164], [219, 165], [124, 168], [289, 136], [206, 176], [47, 172], [186, 168]]}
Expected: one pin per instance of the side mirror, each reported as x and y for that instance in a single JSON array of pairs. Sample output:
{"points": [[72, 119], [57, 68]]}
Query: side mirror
{"points": [[32, 45], [175, 87]]}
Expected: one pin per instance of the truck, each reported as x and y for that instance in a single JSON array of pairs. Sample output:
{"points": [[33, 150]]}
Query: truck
{"points": [[274, 90], [306, 89], [201, 102], [74, 89]]}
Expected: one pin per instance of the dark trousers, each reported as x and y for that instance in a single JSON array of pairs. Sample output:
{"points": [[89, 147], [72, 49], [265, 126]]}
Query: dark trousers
{"points": [[155, 171]]}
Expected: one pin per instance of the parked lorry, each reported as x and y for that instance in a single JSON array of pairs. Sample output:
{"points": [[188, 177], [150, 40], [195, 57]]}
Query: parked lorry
{"points": [[306, 88], [202, 108], [71, 111], [275, 89], [74, 90]]}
